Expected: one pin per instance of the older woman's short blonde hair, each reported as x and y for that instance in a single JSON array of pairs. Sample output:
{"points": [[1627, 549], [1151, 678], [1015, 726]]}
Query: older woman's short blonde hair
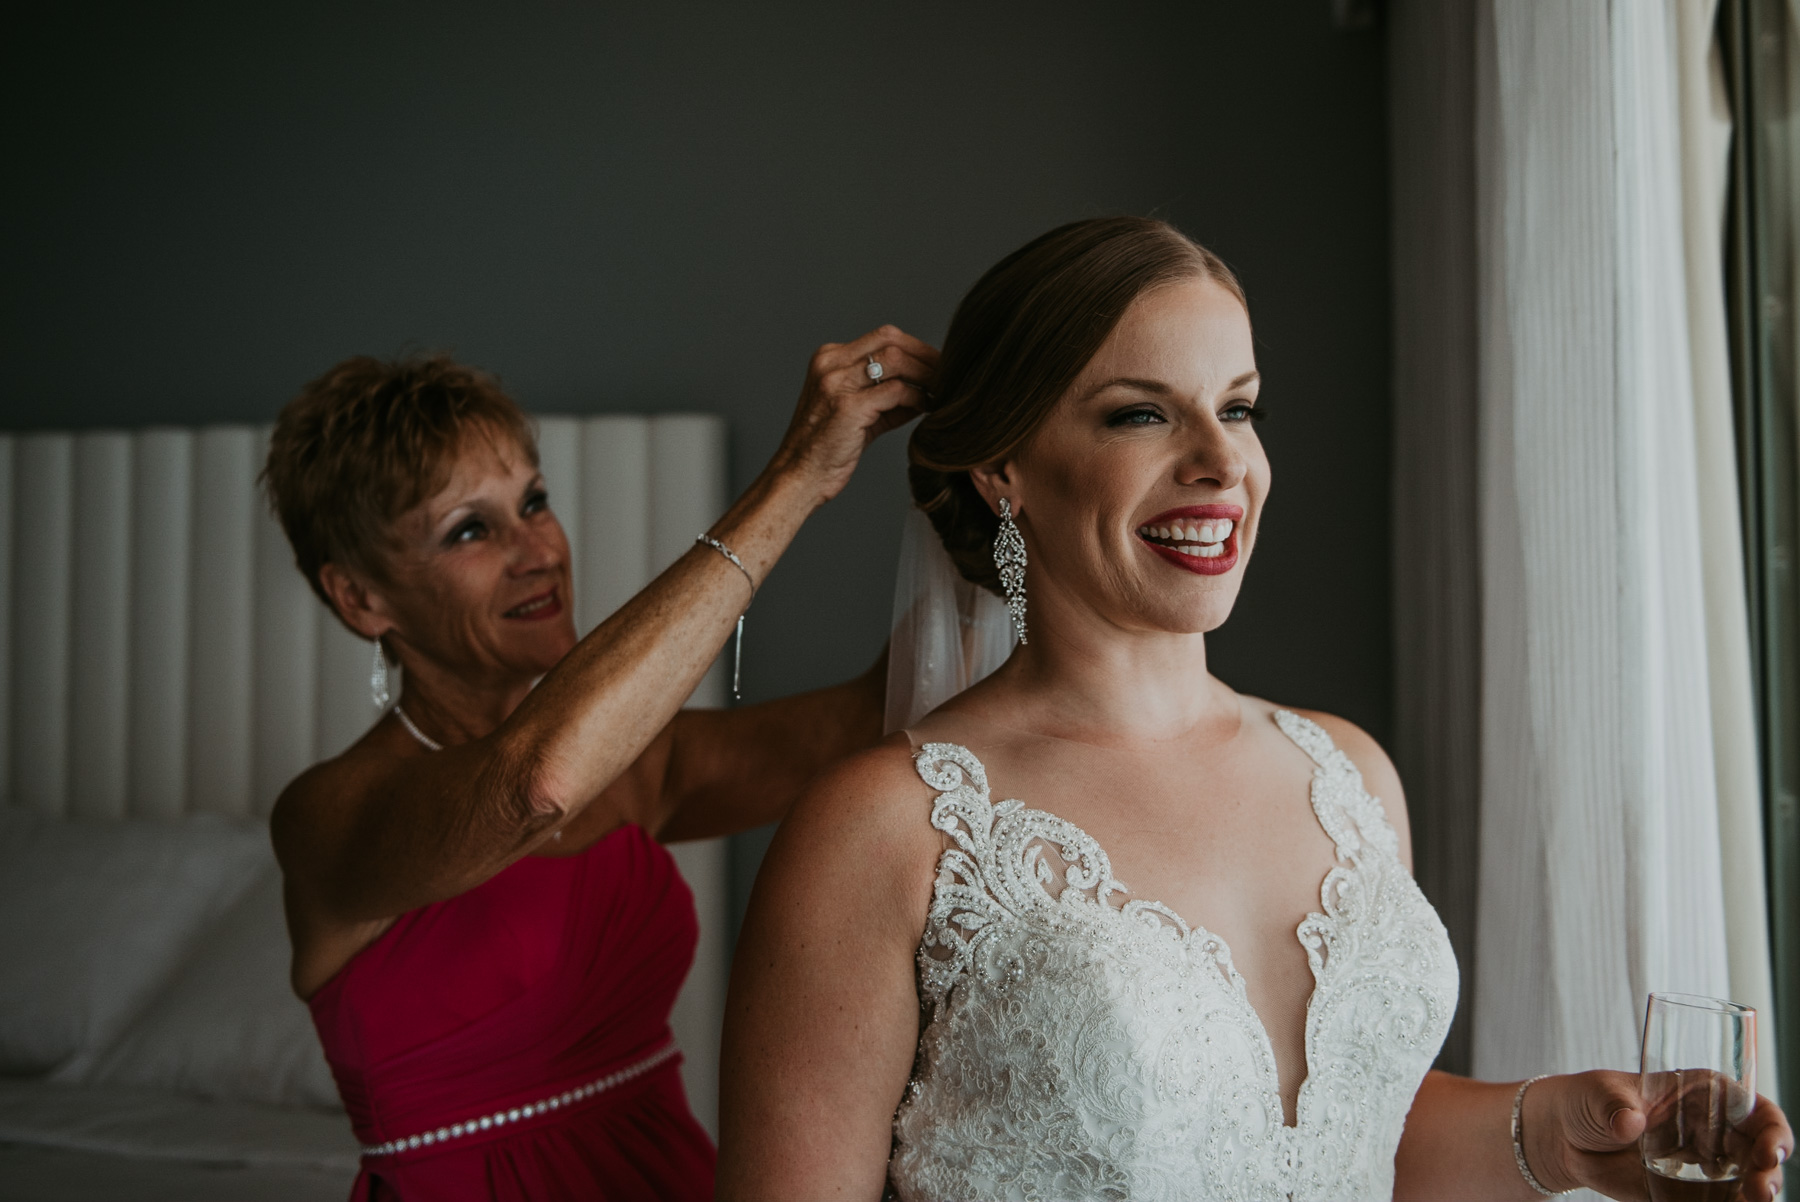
{"points": [[370, 439]]}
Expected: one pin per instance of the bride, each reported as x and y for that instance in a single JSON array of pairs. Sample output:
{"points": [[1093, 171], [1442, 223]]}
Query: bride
{"points": [[953, 994]]}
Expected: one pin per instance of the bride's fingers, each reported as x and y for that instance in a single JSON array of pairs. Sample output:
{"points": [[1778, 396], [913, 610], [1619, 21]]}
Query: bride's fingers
{"points": [[1617, 1174], [1772, 1145], [1603, 1111]]}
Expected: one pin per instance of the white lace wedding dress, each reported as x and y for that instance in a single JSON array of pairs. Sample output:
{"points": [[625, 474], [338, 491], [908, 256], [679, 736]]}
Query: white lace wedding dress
{"points": [[1080, 1045]]}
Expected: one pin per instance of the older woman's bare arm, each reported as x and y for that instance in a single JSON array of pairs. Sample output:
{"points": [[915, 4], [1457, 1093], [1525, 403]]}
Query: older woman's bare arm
{"points": [[731, 770], [823, 1017]]}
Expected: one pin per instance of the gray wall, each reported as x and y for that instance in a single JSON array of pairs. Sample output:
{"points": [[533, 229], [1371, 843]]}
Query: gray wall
{"points": [[655, 207]]}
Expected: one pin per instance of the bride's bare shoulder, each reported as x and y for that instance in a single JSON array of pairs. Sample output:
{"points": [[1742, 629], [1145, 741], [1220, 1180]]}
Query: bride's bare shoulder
{"points": [[858, 846], [872, 802]]}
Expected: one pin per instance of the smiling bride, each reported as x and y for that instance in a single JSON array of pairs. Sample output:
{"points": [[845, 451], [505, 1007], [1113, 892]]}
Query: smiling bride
{"points": [[946, 989]]}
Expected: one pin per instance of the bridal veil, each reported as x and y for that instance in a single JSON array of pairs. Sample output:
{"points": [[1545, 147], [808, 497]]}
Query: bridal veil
{"points": [[947, 633]]}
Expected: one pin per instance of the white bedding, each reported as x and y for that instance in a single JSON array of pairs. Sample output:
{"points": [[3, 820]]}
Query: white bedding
{"points": [[96, 917], [226, 1027], [155, 1124], [32, 1174]]}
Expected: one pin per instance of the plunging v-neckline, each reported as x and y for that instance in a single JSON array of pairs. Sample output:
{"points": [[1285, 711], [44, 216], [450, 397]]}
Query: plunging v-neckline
{"points": [[1194, 936], [1070, 1053]]}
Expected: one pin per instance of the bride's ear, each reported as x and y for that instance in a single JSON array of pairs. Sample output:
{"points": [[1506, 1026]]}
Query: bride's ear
{"points": [[994, 481]]}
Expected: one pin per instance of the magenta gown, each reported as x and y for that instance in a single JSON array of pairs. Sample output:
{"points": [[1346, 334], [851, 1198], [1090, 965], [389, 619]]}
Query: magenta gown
{"points": [[513, 1042]]}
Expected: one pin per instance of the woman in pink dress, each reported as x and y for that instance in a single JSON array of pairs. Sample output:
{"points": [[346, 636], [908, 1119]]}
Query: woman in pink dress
{"points": [[485, 923]]}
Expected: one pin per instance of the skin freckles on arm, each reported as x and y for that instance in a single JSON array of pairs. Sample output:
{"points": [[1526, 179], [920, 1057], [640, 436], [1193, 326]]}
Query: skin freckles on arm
{"points": [[721, 772], [823, 1018]]}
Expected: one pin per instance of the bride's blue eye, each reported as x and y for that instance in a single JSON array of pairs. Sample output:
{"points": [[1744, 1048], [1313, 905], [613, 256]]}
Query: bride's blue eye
{"points": [[1135, 417], [1242, 411]]}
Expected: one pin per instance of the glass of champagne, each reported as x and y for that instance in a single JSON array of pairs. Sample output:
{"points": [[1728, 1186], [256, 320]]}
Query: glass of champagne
{"points": [[1699, 1085]]}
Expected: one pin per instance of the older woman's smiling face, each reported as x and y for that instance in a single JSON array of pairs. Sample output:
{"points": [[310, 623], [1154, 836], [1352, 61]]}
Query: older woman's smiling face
{"points": [[478, 581], [1141, 493]]}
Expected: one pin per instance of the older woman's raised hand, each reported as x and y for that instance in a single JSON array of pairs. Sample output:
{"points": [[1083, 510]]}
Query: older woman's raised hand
{"points": [[847, 403], [1582, 1130]]}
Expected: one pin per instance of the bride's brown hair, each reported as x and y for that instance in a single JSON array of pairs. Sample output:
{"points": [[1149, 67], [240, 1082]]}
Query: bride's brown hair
{"points": [[1016, 343]]}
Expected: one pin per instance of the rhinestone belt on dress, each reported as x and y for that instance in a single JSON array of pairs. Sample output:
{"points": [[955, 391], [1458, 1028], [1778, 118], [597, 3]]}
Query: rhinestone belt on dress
{"points": [[502, 1117]]}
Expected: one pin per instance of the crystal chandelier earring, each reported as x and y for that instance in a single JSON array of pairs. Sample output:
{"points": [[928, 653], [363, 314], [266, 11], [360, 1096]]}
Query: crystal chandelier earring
{"points": [[1009, 557], [378, 678]]}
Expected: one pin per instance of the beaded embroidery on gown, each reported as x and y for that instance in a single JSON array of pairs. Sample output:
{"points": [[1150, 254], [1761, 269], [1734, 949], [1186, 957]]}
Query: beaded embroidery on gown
{"points": [[1081, 1045]]}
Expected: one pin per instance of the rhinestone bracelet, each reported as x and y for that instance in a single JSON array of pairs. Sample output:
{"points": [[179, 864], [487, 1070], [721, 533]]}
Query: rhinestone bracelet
{"points": [[737, 658], [1518, 1142], [500, 1118]]}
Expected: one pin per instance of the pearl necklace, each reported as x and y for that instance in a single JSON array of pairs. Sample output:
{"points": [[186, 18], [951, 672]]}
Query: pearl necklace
{"points": [[430, 743]]}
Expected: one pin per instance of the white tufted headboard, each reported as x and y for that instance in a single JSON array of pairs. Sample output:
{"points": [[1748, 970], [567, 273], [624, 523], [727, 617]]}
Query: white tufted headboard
{"points": [[161, 655]]}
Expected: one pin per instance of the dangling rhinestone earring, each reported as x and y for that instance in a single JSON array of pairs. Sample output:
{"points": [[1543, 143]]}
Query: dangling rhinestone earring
{"points": [[1009, 557], [378, 678]]}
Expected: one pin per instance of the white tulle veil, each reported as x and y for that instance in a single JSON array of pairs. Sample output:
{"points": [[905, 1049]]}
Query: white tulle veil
{"points": [[947, 633]]}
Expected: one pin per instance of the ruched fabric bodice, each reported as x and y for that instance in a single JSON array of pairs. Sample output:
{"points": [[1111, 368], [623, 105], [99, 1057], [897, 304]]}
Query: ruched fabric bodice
{"points": [[541, 996], [1082, 1045]]}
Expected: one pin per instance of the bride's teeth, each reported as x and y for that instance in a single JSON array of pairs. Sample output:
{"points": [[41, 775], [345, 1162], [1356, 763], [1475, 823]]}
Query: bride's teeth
{"points": [[1187, 550], [1212, 533], [1193, 535]]}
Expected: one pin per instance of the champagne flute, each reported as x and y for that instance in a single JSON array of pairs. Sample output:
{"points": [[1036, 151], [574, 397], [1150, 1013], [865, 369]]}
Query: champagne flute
{"points": [[1699, 1085]]}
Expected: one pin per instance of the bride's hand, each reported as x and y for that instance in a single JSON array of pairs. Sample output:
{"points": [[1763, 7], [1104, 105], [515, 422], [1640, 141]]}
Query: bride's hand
{"points": [[1583, 1129], [841, 410]]}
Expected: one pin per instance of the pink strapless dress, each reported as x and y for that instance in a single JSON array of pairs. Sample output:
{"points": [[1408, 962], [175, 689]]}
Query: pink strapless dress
{"points": [[513, 1042]]}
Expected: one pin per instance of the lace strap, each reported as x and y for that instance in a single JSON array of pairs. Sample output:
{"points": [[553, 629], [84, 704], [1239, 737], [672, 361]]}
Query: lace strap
{"points": [[961, 905], [1342, 805], [1311, 738]]}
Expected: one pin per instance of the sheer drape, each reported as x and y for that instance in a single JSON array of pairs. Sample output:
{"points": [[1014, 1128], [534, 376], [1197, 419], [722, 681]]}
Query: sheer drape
{"points": [[1589, 424], [1600, 861]]}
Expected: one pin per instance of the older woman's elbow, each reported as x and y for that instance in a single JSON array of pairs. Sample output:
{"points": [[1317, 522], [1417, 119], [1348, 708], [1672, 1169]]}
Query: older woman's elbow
{"points": [[516, 794], [541, 791]]}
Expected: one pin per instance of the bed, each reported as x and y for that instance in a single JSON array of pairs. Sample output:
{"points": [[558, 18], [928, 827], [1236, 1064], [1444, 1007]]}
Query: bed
{"points": [[166, 671]]}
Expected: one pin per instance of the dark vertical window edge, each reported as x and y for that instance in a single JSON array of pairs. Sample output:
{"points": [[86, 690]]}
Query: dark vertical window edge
{"points": [[1764, 400]]}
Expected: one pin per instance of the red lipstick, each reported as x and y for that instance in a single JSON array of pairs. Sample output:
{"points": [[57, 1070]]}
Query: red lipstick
{"points": [[1217, 565]]}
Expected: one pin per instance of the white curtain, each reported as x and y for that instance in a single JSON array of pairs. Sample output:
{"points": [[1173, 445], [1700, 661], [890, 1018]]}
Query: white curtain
{"points": [[1600, 858]]}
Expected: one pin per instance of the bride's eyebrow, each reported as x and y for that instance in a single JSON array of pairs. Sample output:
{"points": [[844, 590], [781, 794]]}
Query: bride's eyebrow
{"points": [[1132, 382], [1162, 389]]}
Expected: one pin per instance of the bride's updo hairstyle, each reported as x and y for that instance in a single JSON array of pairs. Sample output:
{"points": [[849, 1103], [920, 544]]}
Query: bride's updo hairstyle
{"points": [[1016, 343]]}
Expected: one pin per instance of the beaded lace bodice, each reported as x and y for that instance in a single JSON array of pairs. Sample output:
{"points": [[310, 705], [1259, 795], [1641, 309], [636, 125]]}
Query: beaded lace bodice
{"points": [[1082, 1045]]}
